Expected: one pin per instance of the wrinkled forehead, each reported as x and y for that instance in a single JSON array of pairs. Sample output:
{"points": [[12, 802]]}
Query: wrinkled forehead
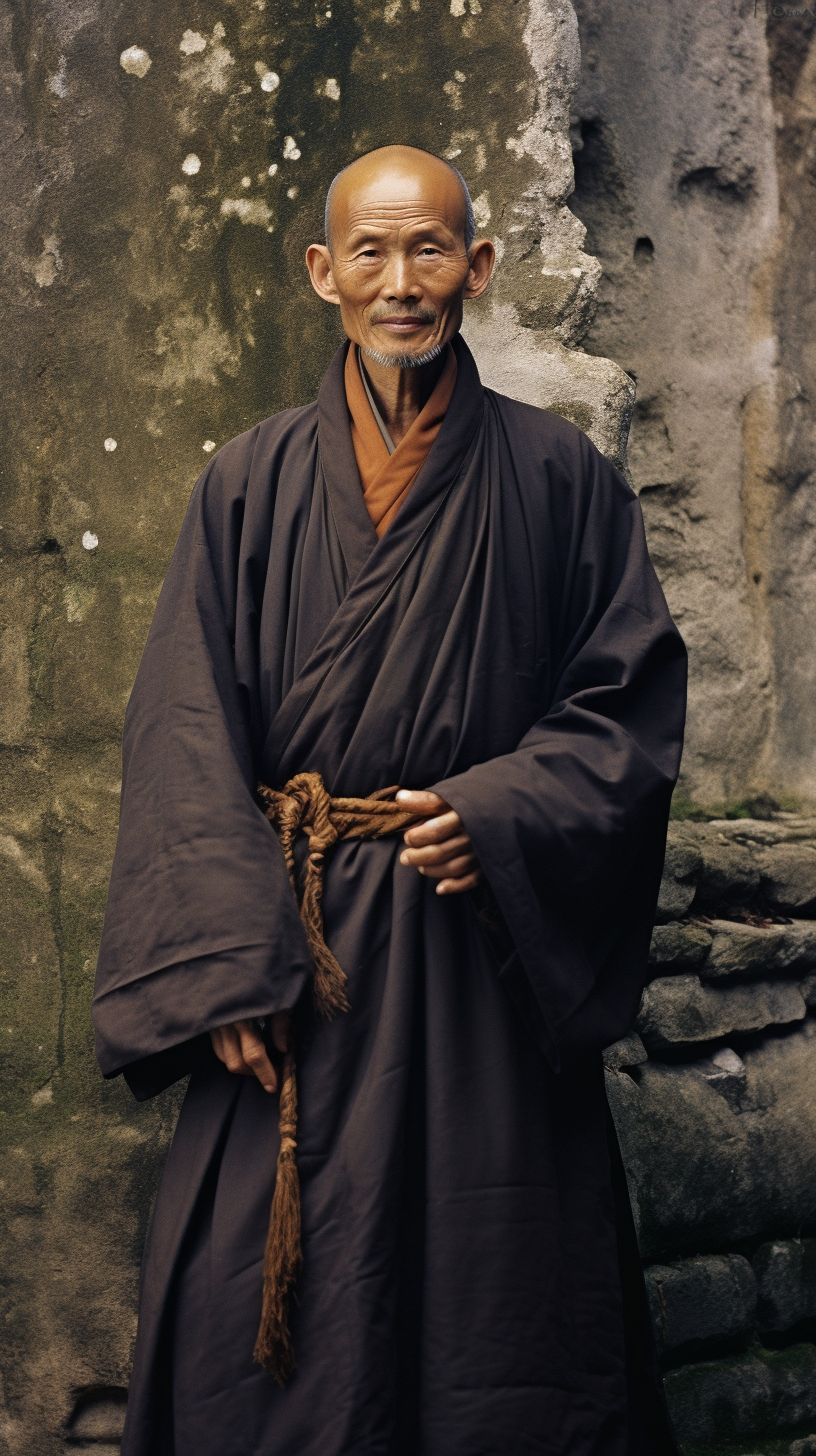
{"points": [[391, 196]]}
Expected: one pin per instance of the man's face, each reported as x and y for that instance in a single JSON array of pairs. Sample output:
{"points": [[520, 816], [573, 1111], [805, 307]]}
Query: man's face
{"points": [[398, 266]]}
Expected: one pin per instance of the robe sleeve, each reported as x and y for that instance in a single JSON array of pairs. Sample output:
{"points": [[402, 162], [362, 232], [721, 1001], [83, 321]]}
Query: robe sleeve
{"points": [[201, 927], [570, 829]]}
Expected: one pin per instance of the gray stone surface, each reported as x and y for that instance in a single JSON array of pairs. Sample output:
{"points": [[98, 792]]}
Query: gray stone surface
{"points": [[805, 1447], [786, 1273], [681, 871], [628, 1052], [676, 1010], [808, 989], [725, 1071], [741, 951], [789, 878], [704, 1176], [767, 1393], [702, 1299], [678, 947]]}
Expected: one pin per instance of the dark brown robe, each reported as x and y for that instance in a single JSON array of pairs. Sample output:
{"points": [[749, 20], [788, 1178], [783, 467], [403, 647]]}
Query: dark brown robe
{"points": [[470, 1283]]}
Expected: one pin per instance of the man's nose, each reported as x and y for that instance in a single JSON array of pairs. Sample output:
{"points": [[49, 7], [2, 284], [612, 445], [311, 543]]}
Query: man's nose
{"points": [[400, 280]]}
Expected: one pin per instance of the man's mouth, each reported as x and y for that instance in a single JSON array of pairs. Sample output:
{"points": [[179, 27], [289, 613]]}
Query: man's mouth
{"points": [[399, 324]]}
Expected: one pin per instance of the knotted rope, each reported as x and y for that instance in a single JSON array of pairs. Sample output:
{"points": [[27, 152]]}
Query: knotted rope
{"points": [[304, 807]]}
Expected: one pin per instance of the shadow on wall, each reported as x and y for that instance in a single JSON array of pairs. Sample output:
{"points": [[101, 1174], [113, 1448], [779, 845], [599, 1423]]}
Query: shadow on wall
{"points": [[96, 1421]]}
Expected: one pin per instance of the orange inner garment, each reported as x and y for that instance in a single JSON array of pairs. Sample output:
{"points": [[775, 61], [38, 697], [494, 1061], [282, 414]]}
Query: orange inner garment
{"points": [[387, 479]]}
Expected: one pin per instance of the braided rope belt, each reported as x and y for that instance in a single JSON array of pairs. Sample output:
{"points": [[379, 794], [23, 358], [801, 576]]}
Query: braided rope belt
{"points": [[305, 808]]}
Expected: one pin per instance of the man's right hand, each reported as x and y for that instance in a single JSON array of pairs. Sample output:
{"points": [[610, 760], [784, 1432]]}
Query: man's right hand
{"points": [[241, 1047]]}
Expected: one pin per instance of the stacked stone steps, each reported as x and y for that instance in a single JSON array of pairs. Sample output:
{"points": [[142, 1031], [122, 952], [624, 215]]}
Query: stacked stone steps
{"points": [[714, 1098]]}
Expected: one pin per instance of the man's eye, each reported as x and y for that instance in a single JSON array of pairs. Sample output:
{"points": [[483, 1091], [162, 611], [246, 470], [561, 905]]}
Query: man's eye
{"points": [[434, 252], [368, 253]]}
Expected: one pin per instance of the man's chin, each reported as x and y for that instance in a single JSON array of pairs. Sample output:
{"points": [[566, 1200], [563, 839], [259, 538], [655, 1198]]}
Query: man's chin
{"points": [[402, 358]]}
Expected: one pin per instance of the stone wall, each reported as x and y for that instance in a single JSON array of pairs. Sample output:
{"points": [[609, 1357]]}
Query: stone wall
{"points": [[695, 179], [714, 1097]]}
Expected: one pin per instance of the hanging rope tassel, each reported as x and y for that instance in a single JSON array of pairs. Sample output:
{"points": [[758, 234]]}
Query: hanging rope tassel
{"points": [[304, 807], [273, 1347]]}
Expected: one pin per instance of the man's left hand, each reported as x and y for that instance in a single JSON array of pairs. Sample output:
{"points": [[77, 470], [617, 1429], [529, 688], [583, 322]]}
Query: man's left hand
{"points": [[439, 847]]}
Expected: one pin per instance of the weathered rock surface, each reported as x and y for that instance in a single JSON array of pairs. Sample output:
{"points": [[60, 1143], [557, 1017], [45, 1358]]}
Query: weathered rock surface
{"points": [[786, 1273], [740, 951], [701, 1299], [678, 1010], [628, 1052], [766, 1393], [789, 878], [704, 1176], [678, 947], [681, 871]]}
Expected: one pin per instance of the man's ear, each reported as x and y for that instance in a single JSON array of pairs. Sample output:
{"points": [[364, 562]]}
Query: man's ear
{"points": [[482, 262], [319, 264]]}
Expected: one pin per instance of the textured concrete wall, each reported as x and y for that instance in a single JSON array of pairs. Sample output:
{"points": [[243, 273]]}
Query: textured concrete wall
{"points": [[694, 176]]}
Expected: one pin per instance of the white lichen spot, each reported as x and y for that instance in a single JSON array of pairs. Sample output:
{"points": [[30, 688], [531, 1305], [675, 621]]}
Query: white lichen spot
{"points": [[481, 157], [270, 229], [44, 1096], [218, 30], [481, 210], [332, 89], [475, 7], [89, 540], [257, 292], [110, 444], [514, 145], [246, 181], [192, 42], [270, 80], [328, 15], [576, 272], [209, 69], [391, 11], [59, 81], [458, 7], [453, 152], [49, 263], [459, 76], [291, 150], [292, 192], [208, 446], [272, 170], [248, 209], [453, 91], [135, 61], [191, 164]]}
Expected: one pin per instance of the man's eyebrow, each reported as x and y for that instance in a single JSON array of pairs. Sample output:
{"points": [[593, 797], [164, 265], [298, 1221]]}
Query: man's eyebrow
{"points": [[358, 232]]}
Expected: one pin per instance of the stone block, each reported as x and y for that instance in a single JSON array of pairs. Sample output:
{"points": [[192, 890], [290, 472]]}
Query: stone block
{"points": [[789, 878], [628, 1052], [678, 1010], [798, 949], [681, 870], [707, 1171], [765, 1393], [725, 1072], [808, 989], [678, 947], [729, 875], [99, 1417], [806, 1447], [786, 1274], [706, 1298], [739, 952]]}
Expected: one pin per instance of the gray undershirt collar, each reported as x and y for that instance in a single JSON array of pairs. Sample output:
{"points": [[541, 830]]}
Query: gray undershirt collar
{"points": [[381, 425]]}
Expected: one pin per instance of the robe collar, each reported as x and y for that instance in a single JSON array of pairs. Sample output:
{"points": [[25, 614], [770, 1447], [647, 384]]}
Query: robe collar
{"points": [[355, 530]]}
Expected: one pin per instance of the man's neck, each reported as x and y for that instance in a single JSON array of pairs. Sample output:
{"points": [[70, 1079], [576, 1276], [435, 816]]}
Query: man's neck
{"points": [[402, 393]]}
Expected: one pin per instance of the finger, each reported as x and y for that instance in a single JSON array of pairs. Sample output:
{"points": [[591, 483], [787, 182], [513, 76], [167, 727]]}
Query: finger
{"points": [[455, 887], [420, 801], [281, 1030], [255, 1056], [452, 869], [230, 1053], [437, 853], [434, 830]]}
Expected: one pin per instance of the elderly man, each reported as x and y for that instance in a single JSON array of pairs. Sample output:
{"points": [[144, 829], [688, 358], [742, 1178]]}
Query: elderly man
{"points": [[397, 768]]}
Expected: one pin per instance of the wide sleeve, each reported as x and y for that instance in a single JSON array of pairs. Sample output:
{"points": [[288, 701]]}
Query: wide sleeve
{"points": [[201, 927], [570, 828]]}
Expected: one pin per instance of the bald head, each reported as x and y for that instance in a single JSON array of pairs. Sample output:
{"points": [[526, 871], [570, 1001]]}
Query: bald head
{"points": [[399, 175]]}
